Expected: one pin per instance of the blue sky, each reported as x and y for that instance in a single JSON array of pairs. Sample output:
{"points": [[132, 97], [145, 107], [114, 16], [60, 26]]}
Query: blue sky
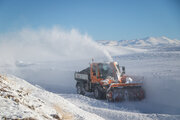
{"points": [[101, 19]]}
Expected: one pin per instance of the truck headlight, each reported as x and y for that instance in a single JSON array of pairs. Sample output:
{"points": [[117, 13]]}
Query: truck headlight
{"points": [[129, 80]]}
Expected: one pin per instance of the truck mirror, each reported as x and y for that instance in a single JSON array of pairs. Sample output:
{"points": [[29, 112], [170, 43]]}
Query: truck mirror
{"points": [[123, 69]]}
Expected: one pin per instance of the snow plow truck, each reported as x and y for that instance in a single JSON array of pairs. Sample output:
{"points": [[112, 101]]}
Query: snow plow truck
{"points": [[108, 80]]}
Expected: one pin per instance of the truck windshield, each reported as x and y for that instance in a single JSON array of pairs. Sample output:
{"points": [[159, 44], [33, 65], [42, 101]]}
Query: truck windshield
{"points": [[106, 70]]}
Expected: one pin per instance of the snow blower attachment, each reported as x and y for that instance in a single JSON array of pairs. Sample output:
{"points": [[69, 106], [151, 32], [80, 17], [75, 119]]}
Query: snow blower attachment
{"points": [[108, 80]]}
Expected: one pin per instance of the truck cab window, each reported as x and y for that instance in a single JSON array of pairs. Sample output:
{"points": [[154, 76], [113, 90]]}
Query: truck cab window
{"points": [[94, 70]]}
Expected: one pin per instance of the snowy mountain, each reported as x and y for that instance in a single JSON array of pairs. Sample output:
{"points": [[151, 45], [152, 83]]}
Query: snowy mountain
{"points": [[145, 43]]}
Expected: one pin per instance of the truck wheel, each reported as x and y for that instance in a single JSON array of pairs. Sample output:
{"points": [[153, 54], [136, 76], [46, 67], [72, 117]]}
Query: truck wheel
{"points": [[97, 93], [80, 89]]}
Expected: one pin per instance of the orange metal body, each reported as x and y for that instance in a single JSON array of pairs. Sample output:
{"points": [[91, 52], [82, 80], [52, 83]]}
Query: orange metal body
{"points": [[125, 84], [95, 77]]}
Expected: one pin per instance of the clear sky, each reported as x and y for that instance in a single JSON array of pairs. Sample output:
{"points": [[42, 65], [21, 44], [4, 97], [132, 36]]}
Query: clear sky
{"points": [[101, 19]]}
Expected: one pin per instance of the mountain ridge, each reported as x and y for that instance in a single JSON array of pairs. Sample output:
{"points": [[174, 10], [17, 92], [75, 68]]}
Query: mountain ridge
{"points": [[147, 42]]}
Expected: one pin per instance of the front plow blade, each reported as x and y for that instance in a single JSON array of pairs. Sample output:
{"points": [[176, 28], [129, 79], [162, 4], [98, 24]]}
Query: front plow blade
{"points": [[125, 94]]}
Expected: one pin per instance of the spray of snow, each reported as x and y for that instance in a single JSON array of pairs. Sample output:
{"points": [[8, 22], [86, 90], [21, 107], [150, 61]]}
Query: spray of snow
{"points": [[48, 56], [49, 44]]}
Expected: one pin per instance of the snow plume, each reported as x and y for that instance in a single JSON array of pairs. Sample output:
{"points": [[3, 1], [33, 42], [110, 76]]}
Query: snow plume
{"points": [[50, 44], [48, 55]]}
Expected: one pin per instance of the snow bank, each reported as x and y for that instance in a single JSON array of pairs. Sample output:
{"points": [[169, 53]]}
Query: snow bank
{"points": [[21, 100]]}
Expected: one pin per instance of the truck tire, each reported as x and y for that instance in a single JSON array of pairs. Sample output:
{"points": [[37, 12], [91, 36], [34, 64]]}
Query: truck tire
{"points": [[80, 89], [97, 93]]}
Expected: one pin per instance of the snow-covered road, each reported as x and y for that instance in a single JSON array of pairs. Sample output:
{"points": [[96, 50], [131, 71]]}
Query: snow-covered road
{"points": [[115, 111]]}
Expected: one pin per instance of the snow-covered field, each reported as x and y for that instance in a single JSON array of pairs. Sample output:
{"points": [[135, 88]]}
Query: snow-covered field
{"points": [[49, 58], [161, 75]]}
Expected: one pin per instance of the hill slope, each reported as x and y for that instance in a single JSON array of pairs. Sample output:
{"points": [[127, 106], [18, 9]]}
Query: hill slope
{"points": [[21, 100]]}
